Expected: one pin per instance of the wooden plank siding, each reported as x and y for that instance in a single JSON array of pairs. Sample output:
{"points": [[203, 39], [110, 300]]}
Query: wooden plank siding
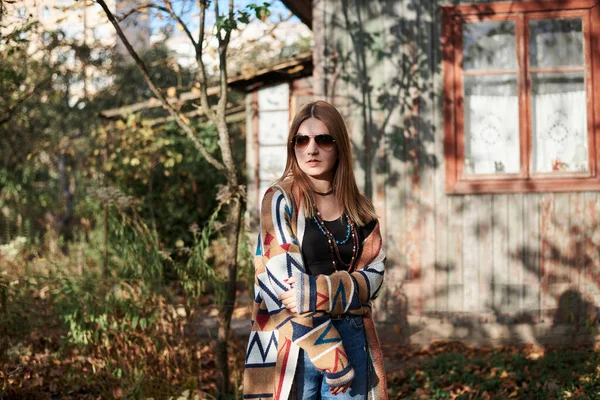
{"points": [[501, 258]]}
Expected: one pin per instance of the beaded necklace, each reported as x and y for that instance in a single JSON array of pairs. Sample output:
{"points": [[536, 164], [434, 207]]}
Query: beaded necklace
{"points": [[333, 243]]}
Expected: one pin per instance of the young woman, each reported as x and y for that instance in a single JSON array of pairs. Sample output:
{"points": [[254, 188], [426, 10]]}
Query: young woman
{"points": [[319, 264]]}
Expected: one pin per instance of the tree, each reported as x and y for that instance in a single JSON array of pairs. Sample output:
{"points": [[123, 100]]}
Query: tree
{"points": [[43, 120], [231, 195]]}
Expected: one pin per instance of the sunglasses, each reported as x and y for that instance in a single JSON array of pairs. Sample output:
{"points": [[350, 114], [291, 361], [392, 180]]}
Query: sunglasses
{"points": [[324, 141]]}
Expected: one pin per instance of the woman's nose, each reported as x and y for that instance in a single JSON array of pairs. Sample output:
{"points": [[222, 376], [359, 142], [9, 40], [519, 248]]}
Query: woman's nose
{"points": [[312, 146]]}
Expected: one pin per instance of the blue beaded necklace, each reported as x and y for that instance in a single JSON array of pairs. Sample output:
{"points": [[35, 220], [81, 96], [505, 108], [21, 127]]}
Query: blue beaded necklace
{"points": [[348, 229]]}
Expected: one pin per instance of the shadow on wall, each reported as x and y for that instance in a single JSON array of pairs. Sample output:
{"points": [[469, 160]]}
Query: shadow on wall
{"points": [[392, 111], [566, 295]]}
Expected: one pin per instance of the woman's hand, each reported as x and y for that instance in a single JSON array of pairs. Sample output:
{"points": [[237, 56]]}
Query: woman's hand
{"points": [[289, 298], [339, 389]]}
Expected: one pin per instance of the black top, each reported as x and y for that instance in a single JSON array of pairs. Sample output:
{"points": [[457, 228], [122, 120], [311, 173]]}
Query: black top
{"points": [[315, 249]]}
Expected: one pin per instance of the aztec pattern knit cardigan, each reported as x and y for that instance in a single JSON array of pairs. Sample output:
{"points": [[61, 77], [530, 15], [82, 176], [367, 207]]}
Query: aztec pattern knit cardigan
{"points": [[278, 334]]}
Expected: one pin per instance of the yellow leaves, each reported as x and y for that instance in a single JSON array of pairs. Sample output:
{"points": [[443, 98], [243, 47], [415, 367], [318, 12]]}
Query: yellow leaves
{"points": [[120, 125], [536, 354], [172, 91]]}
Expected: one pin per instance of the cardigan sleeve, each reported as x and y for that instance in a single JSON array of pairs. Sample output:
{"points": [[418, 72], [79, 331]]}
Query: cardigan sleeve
{"points": [[342, 291], [279, 254]]}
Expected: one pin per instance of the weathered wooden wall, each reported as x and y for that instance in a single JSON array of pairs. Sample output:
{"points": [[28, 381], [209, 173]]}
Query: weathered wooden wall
{"points": [[478, 267]]}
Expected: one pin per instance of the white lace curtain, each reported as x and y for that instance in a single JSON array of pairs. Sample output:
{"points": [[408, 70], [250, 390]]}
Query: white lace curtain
{"points": [[559, 130], [559, 133], [491, 134]]}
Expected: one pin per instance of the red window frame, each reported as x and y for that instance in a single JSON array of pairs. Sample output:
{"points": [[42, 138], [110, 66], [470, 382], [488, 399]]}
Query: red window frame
{"points": [[521, 12]]}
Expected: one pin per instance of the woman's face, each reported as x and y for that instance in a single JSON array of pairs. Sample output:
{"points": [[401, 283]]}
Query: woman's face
{"points": [[317, 160]]}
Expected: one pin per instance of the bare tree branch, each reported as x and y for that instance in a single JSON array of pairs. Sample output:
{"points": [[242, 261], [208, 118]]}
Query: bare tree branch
{"points": [[234, 114], [179, 118], [203, 80], [154, 102], [222, 105], [167, 10]]}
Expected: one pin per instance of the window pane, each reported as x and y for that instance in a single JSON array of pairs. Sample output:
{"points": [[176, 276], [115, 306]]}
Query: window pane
{"points": [[489, 45], [555, 42], [491, 124], [559, 122]]}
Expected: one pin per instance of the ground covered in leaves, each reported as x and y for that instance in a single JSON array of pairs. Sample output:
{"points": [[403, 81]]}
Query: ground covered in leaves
{"points": [[452, 370], [86, 340]]}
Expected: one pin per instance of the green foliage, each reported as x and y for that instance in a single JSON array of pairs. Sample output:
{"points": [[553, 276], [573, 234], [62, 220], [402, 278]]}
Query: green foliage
{"points": [[200, 273], [123, 331], [135, 250], [89, 337], [260, 11], [96, 311], [128, 85], [197, 273]]}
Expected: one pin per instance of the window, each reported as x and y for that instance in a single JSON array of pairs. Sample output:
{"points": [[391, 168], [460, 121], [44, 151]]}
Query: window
{"points": [[522, 96]]}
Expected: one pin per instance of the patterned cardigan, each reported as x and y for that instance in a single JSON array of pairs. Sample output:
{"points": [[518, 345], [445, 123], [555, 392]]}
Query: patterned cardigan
{"points": [[278, 334]]}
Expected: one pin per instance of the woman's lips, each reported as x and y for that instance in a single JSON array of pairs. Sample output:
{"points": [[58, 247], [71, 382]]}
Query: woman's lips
{"points": [[313, 163]]}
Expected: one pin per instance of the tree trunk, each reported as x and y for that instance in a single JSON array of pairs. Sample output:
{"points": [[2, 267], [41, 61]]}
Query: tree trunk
{"points": [[234, 219]]}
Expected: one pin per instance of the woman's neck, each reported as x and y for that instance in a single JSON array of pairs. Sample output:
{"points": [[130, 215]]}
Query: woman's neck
{"points": [[321, 185]]}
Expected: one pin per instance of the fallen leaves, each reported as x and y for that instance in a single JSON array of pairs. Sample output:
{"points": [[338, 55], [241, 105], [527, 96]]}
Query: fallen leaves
{"points": [[454, 370]]}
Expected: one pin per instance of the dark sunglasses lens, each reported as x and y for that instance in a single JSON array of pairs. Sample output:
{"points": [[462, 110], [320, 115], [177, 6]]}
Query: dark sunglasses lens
{"points": [[325, 142], [301, 141]]}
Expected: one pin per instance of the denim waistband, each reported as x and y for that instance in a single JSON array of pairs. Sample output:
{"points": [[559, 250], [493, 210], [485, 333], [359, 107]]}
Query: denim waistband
{"points": [[345, 316]]}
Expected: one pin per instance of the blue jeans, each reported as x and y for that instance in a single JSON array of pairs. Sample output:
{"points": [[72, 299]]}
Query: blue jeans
{"points": [[310, 382]]}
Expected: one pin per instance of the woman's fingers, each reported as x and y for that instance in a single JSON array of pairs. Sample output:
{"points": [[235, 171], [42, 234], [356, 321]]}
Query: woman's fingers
{"points": [[289, 300], [339, 389]]}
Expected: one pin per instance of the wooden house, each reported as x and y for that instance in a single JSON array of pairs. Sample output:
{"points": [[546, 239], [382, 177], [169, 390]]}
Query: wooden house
{"points": [[273, 95], [476, 132]]}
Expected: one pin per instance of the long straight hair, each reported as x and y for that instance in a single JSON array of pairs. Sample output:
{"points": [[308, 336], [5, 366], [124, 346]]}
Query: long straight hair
{"points": [[350, 199]]}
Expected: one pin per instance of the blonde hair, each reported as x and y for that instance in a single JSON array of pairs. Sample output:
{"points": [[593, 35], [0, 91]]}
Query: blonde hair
{"points": [[350, 199]]}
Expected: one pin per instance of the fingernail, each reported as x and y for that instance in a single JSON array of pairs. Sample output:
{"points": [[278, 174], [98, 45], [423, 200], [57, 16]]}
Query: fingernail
{"points": [[285, 280]]}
